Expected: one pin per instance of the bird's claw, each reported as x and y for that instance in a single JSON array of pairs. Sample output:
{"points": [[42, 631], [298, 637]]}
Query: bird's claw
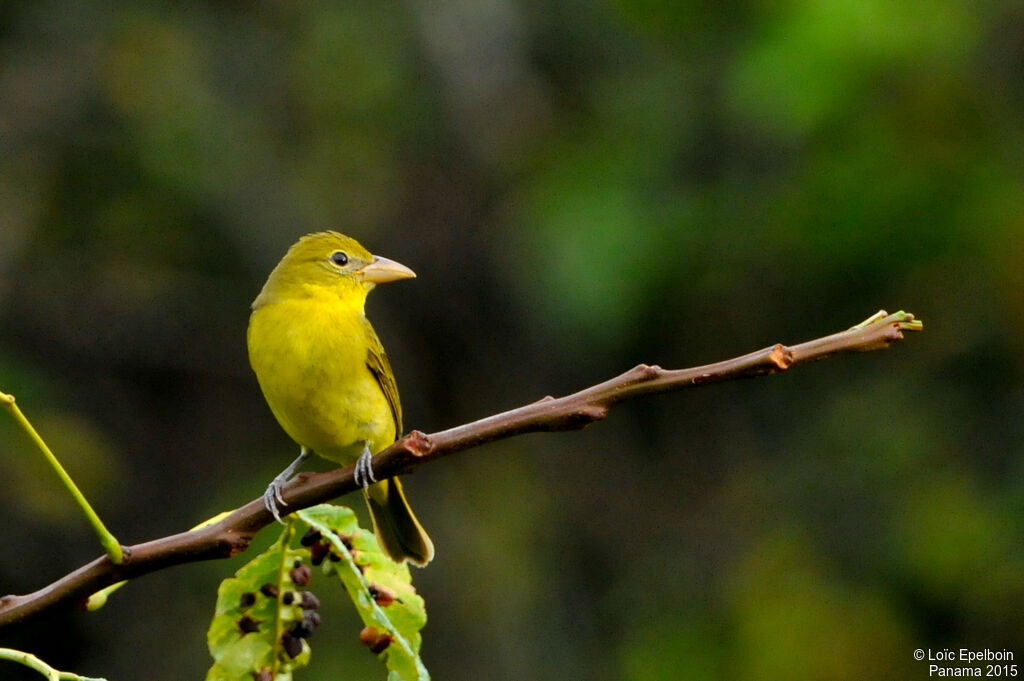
{"points": [[272, 498], [363, 472]]}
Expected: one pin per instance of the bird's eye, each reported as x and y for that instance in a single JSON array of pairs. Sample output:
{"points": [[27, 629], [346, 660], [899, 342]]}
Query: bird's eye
{"points": [[339, 258]]}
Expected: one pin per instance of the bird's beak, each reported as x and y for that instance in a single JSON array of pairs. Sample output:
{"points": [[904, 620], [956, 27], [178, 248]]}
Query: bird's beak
{"points": [[382, 270]]}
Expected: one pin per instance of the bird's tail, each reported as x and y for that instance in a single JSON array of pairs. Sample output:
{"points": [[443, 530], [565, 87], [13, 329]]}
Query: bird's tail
{"points": [[398, 531]]}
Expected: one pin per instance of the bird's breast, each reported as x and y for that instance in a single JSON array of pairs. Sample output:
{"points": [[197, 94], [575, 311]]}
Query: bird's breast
{"points": [[310, 360]]}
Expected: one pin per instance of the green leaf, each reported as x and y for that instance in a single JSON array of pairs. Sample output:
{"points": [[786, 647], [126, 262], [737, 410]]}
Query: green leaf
{"points": [[380, 589], [251, 615]]}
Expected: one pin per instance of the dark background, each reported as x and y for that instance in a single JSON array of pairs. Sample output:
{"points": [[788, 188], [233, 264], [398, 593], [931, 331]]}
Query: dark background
{"points": [[581, 186]]}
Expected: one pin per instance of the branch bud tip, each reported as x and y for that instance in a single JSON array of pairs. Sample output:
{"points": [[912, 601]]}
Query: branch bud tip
{"points": [[417, 443], [781, 356]]}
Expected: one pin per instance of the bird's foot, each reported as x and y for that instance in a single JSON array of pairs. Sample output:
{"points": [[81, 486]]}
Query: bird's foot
{"points": [[363, 472], [272, 498]]}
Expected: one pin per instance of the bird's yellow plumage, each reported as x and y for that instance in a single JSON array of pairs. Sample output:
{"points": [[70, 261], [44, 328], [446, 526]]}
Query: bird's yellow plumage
{"points": [[325, 376]]}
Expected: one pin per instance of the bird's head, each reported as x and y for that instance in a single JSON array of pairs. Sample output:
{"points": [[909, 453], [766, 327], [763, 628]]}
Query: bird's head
{"points": [[329, 261]]}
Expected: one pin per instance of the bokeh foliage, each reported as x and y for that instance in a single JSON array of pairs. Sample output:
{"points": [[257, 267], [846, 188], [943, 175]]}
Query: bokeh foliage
{"points": [[581, 186]]}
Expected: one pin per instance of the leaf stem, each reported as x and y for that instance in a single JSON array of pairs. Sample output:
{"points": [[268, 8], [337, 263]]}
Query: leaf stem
{"points": [[107, 540], [286, 539]]}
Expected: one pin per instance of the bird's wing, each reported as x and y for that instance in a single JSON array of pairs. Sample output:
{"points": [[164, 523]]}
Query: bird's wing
{"points": [[377, 361]]}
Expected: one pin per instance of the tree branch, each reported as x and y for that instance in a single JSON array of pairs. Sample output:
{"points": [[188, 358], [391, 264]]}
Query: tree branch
{"points": [[233, 533]]}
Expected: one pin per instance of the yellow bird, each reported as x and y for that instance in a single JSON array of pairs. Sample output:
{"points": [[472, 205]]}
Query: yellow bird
{"points": [[326, 378]]}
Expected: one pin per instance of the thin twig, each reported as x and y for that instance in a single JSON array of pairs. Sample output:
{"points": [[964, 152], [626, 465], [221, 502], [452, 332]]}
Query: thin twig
{"points": [[233, 533], [34, 663], [107, 540]]}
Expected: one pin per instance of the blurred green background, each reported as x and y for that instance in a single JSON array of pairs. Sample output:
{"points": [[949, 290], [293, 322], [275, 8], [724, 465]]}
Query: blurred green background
{"points": [[581, 186]]}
